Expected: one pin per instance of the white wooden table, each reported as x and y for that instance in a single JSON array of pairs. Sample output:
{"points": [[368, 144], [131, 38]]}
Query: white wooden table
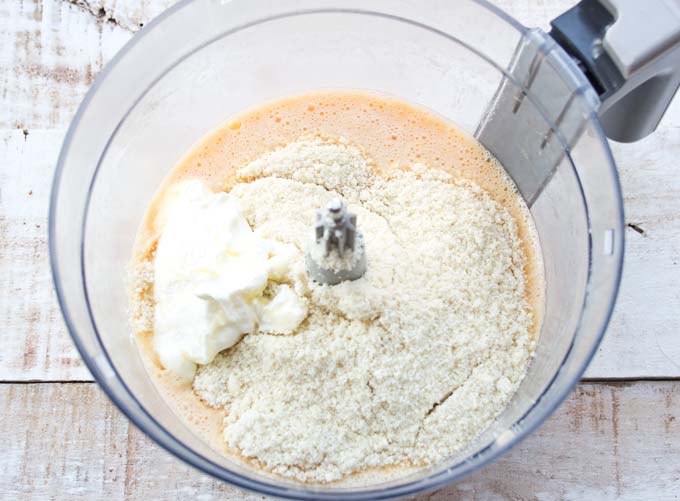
{"points": [[616, 437]]}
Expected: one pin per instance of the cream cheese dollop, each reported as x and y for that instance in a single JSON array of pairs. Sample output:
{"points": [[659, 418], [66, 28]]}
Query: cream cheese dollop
{"points": [[216, 280]]}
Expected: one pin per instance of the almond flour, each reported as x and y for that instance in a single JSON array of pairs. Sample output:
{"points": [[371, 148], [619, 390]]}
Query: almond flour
{"points": [[404, 366]]}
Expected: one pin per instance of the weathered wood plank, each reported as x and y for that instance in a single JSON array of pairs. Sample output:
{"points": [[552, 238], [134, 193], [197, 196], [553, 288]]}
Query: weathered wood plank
{"points": [[608, 441], [641, 341], [642, 338], [53, 49], [67, 441], [534, 13], [35, 342]]}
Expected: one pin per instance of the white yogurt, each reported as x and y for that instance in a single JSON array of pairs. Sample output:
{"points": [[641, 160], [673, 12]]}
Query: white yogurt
{"points": [[211, 271]]}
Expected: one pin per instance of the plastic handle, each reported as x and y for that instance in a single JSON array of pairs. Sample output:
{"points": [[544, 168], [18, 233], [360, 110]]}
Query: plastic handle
{"points": [[630, 52]]}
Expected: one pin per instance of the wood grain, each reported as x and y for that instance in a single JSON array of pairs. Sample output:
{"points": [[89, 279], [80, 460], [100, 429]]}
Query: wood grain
{"points": [[35, 342], [642, 338], [53, 49], [609, 441]]}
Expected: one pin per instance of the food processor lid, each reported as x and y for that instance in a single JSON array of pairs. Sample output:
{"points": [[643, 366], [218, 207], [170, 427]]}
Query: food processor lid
{"points": [[630, 52], [599, 60]]}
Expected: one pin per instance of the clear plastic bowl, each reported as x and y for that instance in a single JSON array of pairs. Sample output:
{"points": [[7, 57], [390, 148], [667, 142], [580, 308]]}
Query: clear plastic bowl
{"points": [[204, 60]]}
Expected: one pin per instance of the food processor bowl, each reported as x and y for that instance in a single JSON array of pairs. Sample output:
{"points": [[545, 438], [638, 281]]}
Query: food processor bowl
{"points": [[204, 60]]}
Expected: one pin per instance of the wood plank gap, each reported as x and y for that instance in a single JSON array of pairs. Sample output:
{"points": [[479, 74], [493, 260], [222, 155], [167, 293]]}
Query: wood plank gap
{"points": [[54, 381], [601, 381], [605, 442], [628, 379]]}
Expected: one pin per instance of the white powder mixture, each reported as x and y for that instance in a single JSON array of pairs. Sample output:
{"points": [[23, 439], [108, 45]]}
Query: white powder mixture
{"points": [[404, 366]]}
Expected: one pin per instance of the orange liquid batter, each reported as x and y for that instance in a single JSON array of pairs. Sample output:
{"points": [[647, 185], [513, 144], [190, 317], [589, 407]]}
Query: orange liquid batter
{"points": [[396, 135]]}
